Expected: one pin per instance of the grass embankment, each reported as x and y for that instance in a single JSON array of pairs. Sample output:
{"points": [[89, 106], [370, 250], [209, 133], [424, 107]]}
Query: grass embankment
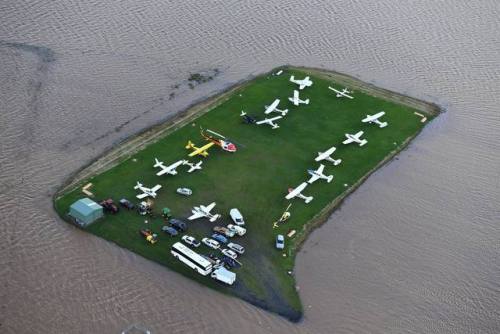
{"points": [[255, 179]]}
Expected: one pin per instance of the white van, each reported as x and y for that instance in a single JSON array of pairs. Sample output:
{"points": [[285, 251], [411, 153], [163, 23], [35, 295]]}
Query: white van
{"points": [[223, 275]]}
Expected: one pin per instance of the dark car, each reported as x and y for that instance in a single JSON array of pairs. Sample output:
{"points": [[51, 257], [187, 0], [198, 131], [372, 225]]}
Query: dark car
{"points": [[178, 225], [170, 231], [220, 238], [127, 204], [229, 262]]}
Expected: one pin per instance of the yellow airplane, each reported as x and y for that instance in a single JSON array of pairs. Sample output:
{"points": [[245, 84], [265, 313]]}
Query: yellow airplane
{"points": [[199, 150]]}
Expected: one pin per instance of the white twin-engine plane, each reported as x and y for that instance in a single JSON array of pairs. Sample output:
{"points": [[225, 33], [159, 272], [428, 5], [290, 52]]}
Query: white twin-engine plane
{"points": [[341, 93], [375, 119], [274, 108], [168, 169], [297, 192], [204, 211], [147, 192], [327, 156], [355, 138], [303, 83], [192, 166], [318, 174], [296, 99]]}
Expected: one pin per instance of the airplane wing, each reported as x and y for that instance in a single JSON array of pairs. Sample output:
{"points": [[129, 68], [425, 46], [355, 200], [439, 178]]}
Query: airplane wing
{"points": [[313, 178], [196, 216], [272, 106], [156, 188], [209, 207], [163, 171], [336, 91], [320, 169], [347, 141], [141, 196], [359, 134], [269, 120]]}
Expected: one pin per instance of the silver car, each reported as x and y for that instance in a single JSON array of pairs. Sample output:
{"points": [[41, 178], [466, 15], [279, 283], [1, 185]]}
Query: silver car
{"points": [[237, 248], [280, 241]]}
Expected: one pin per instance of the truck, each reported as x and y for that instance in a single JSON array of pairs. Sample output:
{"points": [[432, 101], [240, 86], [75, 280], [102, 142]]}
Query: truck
{"points": [[223, 275]]}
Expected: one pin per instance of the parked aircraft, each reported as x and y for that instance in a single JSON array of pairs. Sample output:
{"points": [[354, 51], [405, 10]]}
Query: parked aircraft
{"points": [[247, 118], [375, 119], [168, 169], [327, 156], [355, 138], [296, 100], [221, 141], [303, 83], [342, 93], [193, 166], [297, 192], [318, 174], [204, 211], [274, 108], [147, 192], [270, 121], [198, 150]]}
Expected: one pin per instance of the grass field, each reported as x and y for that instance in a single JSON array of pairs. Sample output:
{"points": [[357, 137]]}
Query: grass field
{"points": [[254, 179]]}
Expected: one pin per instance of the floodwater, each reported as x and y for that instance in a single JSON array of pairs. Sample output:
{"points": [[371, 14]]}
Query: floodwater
{"points": [[415, 250]]}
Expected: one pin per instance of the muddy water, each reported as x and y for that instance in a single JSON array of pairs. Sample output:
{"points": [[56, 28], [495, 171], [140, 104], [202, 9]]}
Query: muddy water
{"points": [[416, 249]]}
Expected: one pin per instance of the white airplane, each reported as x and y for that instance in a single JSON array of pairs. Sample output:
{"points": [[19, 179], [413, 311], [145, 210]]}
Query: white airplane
{"points": [[303, 83], [327, 156], [297, 193], [270, 121], [168, 169], [193, 167], [204, 211], [318, 174], [375, 119], [355, 138], [151, 192], [274, 108], [296, 100], [342, 93]]}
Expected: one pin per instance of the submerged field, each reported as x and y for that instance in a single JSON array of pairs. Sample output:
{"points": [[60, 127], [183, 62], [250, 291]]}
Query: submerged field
{"points": [[255, 178]]}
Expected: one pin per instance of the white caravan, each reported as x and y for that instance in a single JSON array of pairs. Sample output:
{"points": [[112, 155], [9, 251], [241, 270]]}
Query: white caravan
{"points": [[343, 93], [355, 138], [327, 155], [167, 169], [303, 83], [147, 192], [204, 211], [375, 119], [318, 174], [297, 192]]}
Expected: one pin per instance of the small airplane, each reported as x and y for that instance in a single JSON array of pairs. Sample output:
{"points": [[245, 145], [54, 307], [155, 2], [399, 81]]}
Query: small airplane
{"points": [[375, 119], [274, 108], [270, 121], [296, 100], [192, 166], [342, 93], [168, 169], [318, 174], [284, 216], [147, 192], [297, 192], [355, 138], [204, 211], [327, 156], [247, 118], [303, 83]]}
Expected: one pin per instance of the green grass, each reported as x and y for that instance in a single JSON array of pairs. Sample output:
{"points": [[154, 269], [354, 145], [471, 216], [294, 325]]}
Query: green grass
{"points": [[254, 179]]}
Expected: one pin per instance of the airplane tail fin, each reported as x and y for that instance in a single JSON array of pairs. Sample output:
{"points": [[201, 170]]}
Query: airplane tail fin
{"points": [[138, 185], [363, 142], [383, 124], [189, 145], [307, 199], [243, 113], [329, 179], [337, 162], [306, 101], [292, 78], [157, 163], [275, 126]]}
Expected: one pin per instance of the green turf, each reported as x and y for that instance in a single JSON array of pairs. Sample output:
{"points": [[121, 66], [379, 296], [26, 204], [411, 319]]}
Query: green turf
{"points": [[254, 179]]}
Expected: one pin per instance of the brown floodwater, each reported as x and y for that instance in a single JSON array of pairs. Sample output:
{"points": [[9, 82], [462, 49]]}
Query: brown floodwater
{"points": [[415, 250]]}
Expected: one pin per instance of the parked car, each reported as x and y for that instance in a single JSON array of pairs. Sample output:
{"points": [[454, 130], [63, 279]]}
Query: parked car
{"points": [[280, 241], [236, 217], [237, 248], [237, 229], [150, 236], [220, 238], [109, 206], [170, 230], [230, 253], [184, 191], [178, 224], [191, 241], [229, 262], [225, 231], [211, 243], [127, 204]]}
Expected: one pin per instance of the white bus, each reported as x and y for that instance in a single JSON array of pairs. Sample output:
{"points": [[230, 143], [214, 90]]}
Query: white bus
{"points": [[191, 259]]}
